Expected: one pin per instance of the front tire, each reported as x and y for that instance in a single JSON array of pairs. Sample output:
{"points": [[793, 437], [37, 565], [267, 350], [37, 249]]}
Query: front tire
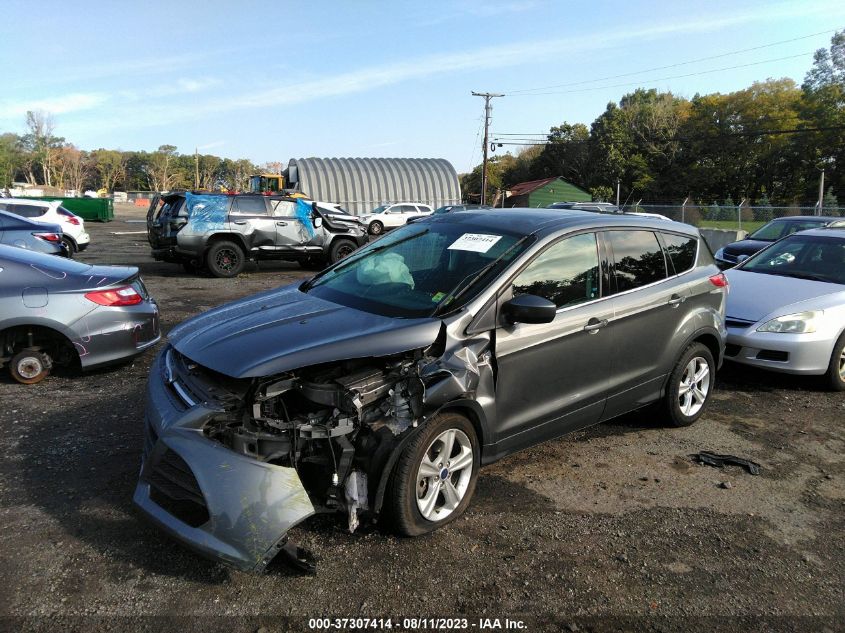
{"points": [[225, 259], [340, 249], [836, 369], [435, 476], [690, 385], [29, 367], [376, 228]]}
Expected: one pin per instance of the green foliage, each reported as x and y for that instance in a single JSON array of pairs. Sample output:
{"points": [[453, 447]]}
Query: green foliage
{"points": [[830, 203], [763, 209], [602, 193]]}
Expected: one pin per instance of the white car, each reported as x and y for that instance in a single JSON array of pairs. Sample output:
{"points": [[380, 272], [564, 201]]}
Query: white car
{"points": [[74, 235], [389, 216]]}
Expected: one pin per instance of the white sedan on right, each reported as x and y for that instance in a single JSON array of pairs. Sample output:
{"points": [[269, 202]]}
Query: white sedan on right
{"points": [[389, 216], [786, 308]]}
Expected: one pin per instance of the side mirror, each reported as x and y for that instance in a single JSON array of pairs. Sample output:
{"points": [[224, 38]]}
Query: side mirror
{"points": [[529, 309], [742, 258], [318, 221]]}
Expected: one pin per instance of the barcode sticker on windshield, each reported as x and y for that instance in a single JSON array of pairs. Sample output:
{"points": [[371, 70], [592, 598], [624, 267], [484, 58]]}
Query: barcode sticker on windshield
{"points": [[476, 242]]}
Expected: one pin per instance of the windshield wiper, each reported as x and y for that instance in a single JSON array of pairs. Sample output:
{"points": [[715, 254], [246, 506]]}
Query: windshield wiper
{"points": [[352, 259], [467, 282]]}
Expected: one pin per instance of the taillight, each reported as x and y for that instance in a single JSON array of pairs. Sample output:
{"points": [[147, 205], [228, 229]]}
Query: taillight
{"points": [[48, 237], [72, 220], [126, 296], [719, 280]]}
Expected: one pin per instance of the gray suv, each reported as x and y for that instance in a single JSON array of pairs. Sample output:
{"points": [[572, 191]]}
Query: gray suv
{"points": [[380, 386], [220, 232]]}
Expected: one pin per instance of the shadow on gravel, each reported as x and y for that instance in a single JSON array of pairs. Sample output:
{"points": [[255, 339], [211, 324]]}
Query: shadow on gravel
{"points": [[80, 466], [736, 377]]}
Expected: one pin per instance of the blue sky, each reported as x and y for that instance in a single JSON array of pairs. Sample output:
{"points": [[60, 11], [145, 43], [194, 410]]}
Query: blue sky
{"points": [[279, 80]]}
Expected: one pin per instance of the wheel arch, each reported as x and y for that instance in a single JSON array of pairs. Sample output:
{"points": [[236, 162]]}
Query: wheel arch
{"points": [[40, 328], [225, 237]]}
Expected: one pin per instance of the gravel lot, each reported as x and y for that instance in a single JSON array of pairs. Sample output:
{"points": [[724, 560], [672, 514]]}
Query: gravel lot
{"points": [[610, 529]]}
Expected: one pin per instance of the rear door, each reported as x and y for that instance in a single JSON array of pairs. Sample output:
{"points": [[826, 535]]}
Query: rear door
{"points": [[648, 317], [553, 377], [250, 216]]}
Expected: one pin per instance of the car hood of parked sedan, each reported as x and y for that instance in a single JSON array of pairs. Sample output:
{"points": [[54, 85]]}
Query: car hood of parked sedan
{"points": [[286, 329], [756, 295], [745, 247]]}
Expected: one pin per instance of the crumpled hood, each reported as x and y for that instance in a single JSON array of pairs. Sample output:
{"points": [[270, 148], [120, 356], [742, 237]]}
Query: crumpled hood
{"points": [[755, 295], [285, 329]]}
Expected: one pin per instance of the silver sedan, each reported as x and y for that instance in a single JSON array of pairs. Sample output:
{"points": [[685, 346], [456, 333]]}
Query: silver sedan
{"points": [[786, 309], [55, 311]]}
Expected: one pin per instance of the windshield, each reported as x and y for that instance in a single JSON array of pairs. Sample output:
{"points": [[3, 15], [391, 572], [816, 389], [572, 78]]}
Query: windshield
{"points": [[815, 257], [379, 209], [777, 229], [415, 271]]}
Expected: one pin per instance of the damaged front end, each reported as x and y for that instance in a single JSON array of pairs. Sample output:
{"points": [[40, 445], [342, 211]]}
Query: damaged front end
{"points": [[230, 465]]}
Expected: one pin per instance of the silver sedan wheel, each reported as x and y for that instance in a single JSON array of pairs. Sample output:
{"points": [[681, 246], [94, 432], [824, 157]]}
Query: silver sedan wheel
{"points": [[694, 387], [444, 474]]}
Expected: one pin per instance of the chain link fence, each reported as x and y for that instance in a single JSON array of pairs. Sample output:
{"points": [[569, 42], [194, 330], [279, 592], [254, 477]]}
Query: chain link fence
{"points": [[746, 218]]}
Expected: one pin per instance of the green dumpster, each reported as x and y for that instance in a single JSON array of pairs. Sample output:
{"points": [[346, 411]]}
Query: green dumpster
{"points": [[97, 209]]}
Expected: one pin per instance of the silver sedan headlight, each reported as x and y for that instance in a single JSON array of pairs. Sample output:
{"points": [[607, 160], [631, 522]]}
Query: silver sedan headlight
{"points": [[719, 253], [798, 323]]}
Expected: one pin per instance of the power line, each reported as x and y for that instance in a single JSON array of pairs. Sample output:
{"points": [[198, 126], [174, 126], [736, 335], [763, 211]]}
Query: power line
{"points": [[686, 63], [695, 74], [747, 133]]}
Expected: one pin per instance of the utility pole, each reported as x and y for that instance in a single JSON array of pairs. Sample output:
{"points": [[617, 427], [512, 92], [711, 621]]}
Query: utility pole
{"points": [[617, 192], [821, 193], [196, 169], [487, 110], [739, 213]]}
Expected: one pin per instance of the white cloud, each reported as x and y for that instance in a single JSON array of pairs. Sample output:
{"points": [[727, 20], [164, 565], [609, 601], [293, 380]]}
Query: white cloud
{"points": [[61, 104]]}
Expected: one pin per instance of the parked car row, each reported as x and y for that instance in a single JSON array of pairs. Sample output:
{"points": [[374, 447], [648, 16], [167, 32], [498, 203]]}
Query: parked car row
{"points": [[71, 226]]}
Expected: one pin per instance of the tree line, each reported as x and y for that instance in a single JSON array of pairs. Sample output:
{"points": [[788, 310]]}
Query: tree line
{"points": [[39, 157], [767, 144]]}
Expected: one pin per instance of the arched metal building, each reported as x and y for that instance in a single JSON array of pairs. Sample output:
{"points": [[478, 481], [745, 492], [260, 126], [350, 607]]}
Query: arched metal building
{"points": [[361, 184]]}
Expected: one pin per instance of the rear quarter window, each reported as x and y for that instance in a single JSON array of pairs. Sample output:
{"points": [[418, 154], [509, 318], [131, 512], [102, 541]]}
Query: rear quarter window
{"points": [[681, 251]]}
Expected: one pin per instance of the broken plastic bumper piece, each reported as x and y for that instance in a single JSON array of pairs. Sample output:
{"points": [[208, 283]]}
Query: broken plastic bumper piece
{"points": [[225, 506]]}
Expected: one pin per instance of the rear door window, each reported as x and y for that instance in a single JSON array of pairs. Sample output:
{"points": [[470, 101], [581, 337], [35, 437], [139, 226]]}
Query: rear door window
{"points": [[28, 210], [681, 251], [566, 273], [638, 258], [249, 206]]}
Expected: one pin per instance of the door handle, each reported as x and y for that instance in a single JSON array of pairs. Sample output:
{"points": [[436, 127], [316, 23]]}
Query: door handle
{"points": [[594, 325], [281, 223], [676, 300], [240, 221]]}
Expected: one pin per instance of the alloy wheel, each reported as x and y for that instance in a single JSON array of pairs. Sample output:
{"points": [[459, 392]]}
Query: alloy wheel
{"points": [[226, 259], [444, 474], [694, 387], [842, 365]]}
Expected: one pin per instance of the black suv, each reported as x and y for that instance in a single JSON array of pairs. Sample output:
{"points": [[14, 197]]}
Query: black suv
{"points": [[221, 232]]}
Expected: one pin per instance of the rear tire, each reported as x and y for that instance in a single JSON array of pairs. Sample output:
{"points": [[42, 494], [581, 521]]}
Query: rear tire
{"points": [[690, 385], [225, 259], [429, 488], [29, 367], [836, 369], [71, 247], [341, 248], [376, 228]]}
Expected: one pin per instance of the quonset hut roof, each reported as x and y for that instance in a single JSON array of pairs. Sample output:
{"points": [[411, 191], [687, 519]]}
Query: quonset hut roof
{"points": [[361, 184]]}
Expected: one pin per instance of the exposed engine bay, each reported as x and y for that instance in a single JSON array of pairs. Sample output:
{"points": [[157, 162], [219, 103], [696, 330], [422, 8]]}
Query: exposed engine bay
{"points": [[335, 424]]}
